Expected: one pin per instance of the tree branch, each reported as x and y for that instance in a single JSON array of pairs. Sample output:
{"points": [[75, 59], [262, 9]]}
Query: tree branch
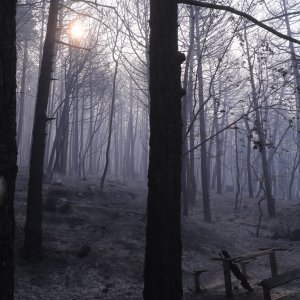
{"points": [[73, 46], [80, 13], [94, 3], [239, 13]]}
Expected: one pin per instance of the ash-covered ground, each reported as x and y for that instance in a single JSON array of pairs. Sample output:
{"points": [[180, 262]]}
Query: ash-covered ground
{"points": [[94, 243]]}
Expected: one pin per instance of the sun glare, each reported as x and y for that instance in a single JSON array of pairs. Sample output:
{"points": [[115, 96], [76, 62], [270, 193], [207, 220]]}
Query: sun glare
{"points": [[76, 30]]}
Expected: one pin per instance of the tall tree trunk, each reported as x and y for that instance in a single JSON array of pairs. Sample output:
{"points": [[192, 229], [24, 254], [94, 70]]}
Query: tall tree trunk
{"points": [[218, 145], [75, 131], [205, 177], [219, 141], [42, 33], [22, 95], [238, 180], [33, 227], [186, 176], [116, 152], [249, 169], [185, 171], [295, 59], [110, 127], [8, 146], [261, 139], [145, 142], [162, 272], [91, 144], [130, 140], [204, 166], [193, 184], [81, 160], [62, 151]]}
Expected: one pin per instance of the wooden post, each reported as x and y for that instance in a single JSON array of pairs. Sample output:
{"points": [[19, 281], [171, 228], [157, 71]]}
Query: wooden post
{"points": [[267, 293], [196, 275], [227, 278], [196, 282], [244, 269], [273, 263]]}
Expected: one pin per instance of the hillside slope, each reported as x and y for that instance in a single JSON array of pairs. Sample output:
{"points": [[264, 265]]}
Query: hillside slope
{"points": [[95, 250]]}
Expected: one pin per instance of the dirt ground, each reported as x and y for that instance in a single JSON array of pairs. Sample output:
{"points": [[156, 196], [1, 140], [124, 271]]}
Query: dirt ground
{"points": [[95, 250]]}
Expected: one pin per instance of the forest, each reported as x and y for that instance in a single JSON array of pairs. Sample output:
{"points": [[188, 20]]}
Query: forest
{"points": [[150, 149]]}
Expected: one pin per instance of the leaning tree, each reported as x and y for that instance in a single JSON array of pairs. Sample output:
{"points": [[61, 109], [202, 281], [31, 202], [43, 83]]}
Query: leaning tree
{"points": [[32, 249]]}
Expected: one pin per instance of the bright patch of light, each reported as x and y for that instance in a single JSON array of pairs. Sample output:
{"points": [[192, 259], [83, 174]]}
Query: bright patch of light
{"points": [[76, 30]]}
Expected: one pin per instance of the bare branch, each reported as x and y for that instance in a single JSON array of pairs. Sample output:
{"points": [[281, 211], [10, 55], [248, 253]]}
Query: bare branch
{"points": [[80, 13], [72, 46], [94, 3], [242, 14]]}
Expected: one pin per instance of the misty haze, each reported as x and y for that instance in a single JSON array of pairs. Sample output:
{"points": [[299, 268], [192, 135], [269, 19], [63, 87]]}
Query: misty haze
{"points": [[149, 149]]}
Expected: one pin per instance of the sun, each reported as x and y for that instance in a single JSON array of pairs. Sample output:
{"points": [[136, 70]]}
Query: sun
{"points": [[76, 30]]}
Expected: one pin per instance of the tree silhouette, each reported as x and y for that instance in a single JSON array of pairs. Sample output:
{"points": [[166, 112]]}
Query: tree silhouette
{"points": [[33, 228], [162, 272], [8, 148]]}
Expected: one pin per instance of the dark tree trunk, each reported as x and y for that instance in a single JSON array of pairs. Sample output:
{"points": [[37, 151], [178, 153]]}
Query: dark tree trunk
{"points": [[193, 184], [129, 151], [205, 174], [238, 180], [185, 171], [90, 138], [216, 178], [204, 164], [261, 139], [32, 250], [162, 272], [8, 148], [296, 72], [249, 169], [22, 95], [75, 132], [219, 146], [110, 127]]}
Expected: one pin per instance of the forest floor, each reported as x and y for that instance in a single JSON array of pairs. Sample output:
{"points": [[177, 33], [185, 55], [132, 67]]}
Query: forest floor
{"points": [[96, 249]]}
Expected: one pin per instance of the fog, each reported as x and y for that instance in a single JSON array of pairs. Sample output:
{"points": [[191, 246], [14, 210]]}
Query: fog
{"points": [[83, 134]]}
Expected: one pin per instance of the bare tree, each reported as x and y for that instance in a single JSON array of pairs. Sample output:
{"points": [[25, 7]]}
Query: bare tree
{"points": [[112, 112], [261, 142], [32, 249]]}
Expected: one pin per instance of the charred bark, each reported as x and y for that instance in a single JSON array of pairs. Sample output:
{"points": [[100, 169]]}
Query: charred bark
{"points": [[32, 249], [162, 272], [8, 147]]}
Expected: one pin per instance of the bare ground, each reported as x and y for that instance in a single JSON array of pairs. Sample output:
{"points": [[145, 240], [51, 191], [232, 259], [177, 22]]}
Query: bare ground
{"points": [[96, 249]]}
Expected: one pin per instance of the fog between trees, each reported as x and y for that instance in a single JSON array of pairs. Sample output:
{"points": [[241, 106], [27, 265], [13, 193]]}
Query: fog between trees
{"points": [[237, 76], [84, 104]]}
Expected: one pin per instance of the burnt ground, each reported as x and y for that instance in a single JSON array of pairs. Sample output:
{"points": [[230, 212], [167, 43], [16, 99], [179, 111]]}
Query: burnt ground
{"points": [[94, 243]]}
